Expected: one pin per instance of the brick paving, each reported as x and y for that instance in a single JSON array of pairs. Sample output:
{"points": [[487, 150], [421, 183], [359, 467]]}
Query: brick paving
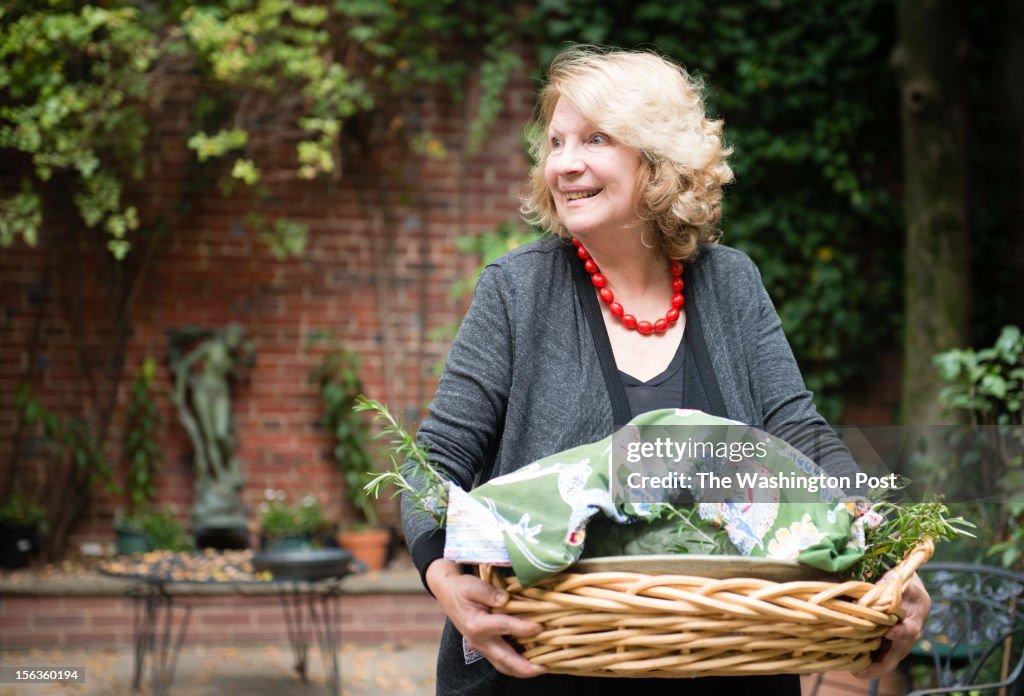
{"points": [[394, 668], [391, 669]]}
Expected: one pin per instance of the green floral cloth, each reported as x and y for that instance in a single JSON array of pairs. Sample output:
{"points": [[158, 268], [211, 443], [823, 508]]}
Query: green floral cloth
{"points": [[772, 501]]}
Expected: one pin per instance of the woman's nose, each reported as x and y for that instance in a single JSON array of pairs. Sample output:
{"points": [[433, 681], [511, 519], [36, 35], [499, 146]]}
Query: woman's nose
{"points": [[571, 160]]}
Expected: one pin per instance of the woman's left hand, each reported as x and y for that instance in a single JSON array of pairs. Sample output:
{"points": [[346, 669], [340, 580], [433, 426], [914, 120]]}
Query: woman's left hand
{"points": [[896, 644]]}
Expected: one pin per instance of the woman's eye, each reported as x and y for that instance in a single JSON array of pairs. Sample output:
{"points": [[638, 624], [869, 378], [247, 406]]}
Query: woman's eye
{"points": [[556, 143], [599, 139]]}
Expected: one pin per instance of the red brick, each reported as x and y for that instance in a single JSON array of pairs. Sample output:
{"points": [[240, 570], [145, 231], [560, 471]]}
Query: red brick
{"points": [[9, 622], [224, 619], [33, 638], [112, 620], [58, 620]]}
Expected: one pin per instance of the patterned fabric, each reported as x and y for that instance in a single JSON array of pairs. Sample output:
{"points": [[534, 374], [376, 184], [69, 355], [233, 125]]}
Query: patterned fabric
{"points": [[778, 503]]}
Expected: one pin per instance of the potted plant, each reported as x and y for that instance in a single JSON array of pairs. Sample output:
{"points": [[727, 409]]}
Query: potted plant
{"points": [[152, 529], [21, 521], [129, 535], [285, 527], [337, 376]]}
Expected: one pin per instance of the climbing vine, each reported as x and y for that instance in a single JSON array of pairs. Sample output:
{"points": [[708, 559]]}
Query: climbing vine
{"points": [[81, 81]]}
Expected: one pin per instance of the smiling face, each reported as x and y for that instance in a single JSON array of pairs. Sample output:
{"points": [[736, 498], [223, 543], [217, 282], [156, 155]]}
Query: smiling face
{"points": [[591, 177]]}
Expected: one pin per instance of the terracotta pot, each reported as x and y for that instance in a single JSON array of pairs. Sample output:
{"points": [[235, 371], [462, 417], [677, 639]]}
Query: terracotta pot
{"points": [[369, 546]]}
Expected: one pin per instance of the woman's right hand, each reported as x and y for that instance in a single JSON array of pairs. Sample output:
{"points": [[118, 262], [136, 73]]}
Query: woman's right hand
{"points": [[468, 600]]}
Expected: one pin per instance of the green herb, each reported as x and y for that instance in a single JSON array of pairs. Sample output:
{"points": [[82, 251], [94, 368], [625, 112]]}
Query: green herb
{"points": [[903, 528], [412, 473], [698, 535]]}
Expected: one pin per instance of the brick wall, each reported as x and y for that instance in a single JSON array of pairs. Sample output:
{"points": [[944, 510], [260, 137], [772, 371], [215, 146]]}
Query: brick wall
{"points": [[377, 270], [27, 621]]}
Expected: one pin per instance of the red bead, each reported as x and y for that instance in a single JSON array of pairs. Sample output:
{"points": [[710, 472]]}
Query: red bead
{"points": [[575, 241], [628, 320]]}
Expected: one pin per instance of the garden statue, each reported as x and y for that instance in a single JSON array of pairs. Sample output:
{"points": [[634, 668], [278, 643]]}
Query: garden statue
{"points": [[202, 396]]}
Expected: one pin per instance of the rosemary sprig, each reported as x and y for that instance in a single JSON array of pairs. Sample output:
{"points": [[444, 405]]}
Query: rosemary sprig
{"points": [[411, 472], [903, 528], [708, 537]]}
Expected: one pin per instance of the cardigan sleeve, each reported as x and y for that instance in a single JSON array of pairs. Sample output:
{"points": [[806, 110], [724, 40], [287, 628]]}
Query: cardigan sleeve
{"points": [[787, 407], [464, 421]]}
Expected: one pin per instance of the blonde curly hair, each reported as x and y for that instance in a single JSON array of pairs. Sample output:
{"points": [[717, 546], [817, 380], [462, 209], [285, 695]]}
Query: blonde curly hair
{"points": [[652, 105]]}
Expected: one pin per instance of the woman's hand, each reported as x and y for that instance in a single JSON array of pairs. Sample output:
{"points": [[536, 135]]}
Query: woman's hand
{"points": [[896, 644], [468, 600]]}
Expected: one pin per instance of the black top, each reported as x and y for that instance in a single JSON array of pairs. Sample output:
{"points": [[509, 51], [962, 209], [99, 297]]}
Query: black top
{"points": [[700, 387], [661, 391]]}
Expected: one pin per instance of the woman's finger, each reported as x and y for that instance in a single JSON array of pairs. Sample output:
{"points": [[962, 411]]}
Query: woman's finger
{"points": [[506, 660]]}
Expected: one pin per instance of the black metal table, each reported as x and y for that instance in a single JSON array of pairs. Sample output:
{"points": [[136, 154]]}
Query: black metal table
{"points": [[312, 610]]}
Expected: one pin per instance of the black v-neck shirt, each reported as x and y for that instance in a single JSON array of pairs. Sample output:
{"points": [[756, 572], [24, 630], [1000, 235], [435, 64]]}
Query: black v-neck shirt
{"points": [[664, 390]]}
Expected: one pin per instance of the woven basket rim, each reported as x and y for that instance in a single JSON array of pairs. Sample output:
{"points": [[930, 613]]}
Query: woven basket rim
{"points": [[904, 571], [622, 624]]}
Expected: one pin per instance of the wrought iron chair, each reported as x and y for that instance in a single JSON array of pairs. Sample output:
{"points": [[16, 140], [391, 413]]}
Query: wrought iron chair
{"points": [[974, 634], [974, 637]]}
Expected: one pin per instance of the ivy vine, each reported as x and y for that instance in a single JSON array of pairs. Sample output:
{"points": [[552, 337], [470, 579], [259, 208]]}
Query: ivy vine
{"points": [[80, 81]]}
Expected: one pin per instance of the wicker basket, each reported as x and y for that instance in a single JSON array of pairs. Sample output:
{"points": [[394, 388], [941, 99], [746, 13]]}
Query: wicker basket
{"points": [[640, 625]]}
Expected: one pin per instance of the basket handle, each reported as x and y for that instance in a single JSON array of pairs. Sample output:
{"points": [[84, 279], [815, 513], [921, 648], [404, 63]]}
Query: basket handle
{"points": [[904, 571]]}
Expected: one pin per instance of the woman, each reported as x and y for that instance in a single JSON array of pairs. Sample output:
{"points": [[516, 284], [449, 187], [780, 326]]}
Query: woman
{"points": [[630, 307]]}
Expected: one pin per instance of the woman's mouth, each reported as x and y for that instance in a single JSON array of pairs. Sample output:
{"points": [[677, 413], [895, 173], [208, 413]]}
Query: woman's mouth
{"points": [[578, 195]]}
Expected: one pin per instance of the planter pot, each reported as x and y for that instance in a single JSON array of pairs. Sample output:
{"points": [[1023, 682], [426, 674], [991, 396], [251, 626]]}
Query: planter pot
{"points": [[369, 546], [132, 541], [221, 538], [17, 543], [293, 542]]}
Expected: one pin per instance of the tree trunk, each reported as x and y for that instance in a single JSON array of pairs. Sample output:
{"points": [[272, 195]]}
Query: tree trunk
{"points": [[930, 65]]}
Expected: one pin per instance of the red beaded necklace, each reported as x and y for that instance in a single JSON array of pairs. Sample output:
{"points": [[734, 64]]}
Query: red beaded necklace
{"points": [[628, 320]]}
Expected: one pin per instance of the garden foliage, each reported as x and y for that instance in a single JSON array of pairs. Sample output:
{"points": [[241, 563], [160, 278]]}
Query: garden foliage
{"points": [[80, 83]]}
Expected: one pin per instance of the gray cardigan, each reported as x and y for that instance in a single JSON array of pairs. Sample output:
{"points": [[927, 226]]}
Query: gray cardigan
{"points": [[528, 374]]}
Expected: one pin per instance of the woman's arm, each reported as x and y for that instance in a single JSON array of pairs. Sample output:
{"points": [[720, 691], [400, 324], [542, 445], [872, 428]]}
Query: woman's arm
{"points": [[462, 431], [789, 412], [464, 423], [787, 407]]}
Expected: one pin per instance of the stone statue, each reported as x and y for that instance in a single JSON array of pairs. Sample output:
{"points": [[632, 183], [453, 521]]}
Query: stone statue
{"points": [[202, 396]]}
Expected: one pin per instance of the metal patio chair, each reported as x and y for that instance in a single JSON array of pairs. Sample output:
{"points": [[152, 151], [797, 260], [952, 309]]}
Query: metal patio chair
{"points": [[974, 637]]}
